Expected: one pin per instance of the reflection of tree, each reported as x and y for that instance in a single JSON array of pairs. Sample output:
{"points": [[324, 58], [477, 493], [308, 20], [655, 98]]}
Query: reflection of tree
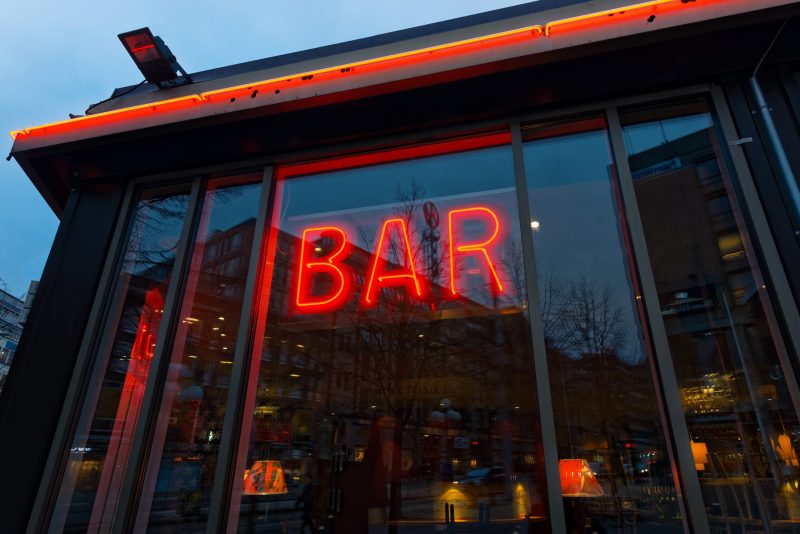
{"points": [[583, 318], [156, 219], [603, 401], [402, 340]]}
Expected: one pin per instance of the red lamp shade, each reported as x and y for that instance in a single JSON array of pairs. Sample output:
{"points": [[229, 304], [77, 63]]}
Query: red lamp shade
{"points": [[700, 455], [265, 477], [785, 450], [577, 479]]}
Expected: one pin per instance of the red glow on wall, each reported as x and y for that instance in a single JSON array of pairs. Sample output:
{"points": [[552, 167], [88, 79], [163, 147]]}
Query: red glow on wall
{"points": [[480, 249], [314, 262], [395, 154], [379, 276]]}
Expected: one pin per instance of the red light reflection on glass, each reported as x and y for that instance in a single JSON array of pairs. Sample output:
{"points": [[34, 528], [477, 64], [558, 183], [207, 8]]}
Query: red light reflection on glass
{"points": [[455, 221], [402, 276], [322, 264]]}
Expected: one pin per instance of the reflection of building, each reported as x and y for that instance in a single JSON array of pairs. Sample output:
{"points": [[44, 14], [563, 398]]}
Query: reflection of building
{"points": [[738, 409], [681, 417], [327, 380], [13, 313], [10, 331]]}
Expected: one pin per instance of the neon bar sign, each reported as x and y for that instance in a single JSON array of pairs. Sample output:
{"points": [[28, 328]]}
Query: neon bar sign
{"points": [[549, 29], [315, 264]]}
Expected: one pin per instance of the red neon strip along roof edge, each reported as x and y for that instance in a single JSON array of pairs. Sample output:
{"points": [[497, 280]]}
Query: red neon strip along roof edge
{"points": [[580, 22]]}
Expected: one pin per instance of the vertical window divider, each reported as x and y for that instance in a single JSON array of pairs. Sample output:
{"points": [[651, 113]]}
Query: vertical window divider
{"points": [[689, 486], [547, 422], [234, 410], [70, 411], [781, 292], [131, 485]]}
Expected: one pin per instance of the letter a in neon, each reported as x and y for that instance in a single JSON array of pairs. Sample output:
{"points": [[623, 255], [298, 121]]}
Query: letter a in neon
{"points": [[456, 219], [331, 265], [380, 276]]}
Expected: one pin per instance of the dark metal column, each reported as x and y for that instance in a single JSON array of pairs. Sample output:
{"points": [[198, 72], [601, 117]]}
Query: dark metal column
{"points": [[235, 408], [554, 497], [33, 398], [690, 484]]}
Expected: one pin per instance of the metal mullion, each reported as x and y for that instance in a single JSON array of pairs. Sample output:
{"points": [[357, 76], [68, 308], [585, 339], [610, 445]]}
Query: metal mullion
{"points": [[234, 410], [763, 240], [45, 497], [546, 417], [128, 497], [678, 429]]}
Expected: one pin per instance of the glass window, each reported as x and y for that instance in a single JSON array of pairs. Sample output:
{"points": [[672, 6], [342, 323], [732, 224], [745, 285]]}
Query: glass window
{"points": [[394, 384], [736, 382], [614, 462], [89, 490], [180, 471]]}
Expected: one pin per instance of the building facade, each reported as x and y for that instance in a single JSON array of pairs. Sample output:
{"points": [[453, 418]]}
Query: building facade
{"points": [[11, 309], [534, 270]]}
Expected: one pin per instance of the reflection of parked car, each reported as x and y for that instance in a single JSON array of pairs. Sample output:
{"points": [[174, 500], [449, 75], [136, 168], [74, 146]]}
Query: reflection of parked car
{"points": [[483, 476], [486, 482]]}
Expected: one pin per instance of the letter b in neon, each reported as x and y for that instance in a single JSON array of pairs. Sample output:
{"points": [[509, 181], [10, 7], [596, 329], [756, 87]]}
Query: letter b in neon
{"points": [[323, 280]]}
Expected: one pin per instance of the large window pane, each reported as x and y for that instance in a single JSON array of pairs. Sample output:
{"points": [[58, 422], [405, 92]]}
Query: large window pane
{"points": [[733, 369], [99, 453], [180, 471], [394, 384], [614, 462]]}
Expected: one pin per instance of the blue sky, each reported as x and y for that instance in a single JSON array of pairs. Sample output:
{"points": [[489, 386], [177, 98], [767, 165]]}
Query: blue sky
{"points": [[60, 56]]}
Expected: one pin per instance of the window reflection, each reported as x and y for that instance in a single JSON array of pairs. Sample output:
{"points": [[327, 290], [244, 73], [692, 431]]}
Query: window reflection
{"points": [[614, 464], [180, 472], [407, 405], [89, 491], [737, 386]]}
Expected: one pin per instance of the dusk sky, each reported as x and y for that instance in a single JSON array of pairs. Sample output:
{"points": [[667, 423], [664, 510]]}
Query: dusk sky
{"points": [[60, 57]]}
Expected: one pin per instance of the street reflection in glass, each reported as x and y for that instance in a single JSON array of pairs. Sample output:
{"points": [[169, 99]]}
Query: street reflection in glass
{"points": [[736, 380], [393, 384], [89, 492], [180, 472], [614, 462]]}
